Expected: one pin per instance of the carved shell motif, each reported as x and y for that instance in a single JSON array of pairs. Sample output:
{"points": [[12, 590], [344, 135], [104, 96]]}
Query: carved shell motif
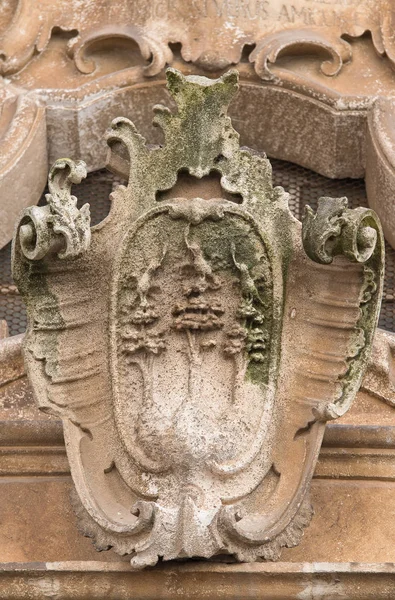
{"points": [[193, 348]]}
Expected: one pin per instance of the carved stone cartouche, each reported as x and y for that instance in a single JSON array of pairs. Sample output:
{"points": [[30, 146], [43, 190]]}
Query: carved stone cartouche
{"points": [[196, 341]]}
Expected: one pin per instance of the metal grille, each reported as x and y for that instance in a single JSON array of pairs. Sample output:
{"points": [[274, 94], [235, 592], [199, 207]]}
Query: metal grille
{"points": [[304, 187]]}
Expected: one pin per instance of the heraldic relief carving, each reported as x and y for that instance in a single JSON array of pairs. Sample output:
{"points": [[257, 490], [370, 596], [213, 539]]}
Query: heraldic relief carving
{"points": [[196, 341]]}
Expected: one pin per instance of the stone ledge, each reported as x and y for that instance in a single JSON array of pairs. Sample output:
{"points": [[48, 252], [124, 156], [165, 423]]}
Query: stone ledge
{"points": [[36, 448], [40, 432], [196, 580]]}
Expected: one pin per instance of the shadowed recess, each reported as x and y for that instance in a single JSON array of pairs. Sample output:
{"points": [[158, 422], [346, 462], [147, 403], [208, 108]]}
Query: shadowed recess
{"points": [[207, 187]]}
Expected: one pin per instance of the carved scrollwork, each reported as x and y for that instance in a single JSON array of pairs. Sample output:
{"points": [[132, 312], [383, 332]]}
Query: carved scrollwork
{"points": [[60, 227], [246, 536], [150, 47], [337, 230], [274, 27], [193, 351], [270, 47], [23, 149], [355, 234]]}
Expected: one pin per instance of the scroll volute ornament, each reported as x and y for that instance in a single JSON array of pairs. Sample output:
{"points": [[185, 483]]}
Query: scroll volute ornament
{"points": [[192, 348], [212, 33]]}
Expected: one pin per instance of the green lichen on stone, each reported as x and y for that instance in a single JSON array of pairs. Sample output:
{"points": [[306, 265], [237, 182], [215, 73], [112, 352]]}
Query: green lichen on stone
{"points": [[199, 139], [185, 337], [335, 230], [44, 316], [200, 132]]}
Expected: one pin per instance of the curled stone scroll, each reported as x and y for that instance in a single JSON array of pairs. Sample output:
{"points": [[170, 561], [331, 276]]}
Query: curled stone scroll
{"points": [[196, 341], [212, 33]]}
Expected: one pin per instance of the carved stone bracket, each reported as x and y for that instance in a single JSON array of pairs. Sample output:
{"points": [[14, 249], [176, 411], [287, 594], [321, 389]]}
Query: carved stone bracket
{"points": [[191, 347]]}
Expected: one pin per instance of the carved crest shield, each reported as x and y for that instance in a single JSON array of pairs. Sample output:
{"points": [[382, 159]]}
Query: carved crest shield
{"points": [[196, 341]]}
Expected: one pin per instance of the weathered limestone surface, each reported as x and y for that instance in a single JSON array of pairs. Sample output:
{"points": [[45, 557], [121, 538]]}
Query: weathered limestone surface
{"points": [[314, 87], [346, 551], [330, 109], [197, 340], [272, 25]]}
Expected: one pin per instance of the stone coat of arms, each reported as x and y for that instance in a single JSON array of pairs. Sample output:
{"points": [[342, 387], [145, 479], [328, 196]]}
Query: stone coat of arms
{"points": [[196, 341]]}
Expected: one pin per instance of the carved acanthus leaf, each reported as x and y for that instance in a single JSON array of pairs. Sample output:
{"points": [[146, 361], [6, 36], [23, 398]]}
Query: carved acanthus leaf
{"points": [[60, 226]]}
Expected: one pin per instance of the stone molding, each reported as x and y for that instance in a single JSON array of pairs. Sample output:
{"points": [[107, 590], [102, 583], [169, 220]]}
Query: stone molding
{"points": [[269, 581], [355, 469], [271, 26], [32, 447]]}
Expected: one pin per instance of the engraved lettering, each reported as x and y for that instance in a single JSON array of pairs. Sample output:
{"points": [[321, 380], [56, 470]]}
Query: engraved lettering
{"points": [[231, 8], [299, 14], [331, 2], [284, 15], [245, 9], [250, 10], [261, 9], [327, 18], [161, 9], [311, 17]]}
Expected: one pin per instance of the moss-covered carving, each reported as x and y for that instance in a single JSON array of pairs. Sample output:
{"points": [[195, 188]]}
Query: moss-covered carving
{"points": [[192, 348]]}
